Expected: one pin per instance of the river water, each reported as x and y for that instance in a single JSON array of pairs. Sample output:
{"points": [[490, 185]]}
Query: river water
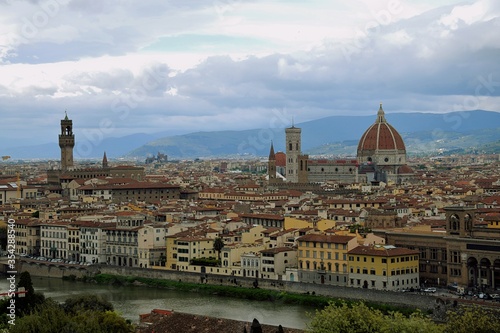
{"points": [[131, 301]]}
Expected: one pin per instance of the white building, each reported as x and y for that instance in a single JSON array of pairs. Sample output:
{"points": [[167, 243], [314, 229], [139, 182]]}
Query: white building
{"points": [[54, 240]]}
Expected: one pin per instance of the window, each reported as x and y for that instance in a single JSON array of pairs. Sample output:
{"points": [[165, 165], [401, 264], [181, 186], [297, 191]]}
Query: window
{"points": [[455, 256], [434, 254], [423, 253]]}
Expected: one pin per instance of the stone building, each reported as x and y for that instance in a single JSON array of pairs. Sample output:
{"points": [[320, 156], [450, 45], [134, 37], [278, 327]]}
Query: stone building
{"points": [[464, 254], [68, 172], [381, 156]]}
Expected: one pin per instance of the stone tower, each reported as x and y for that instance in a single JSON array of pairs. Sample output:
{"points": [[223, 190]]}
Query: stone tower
{"points": [[271, 165], [66, 143], [104, 161], [293, 148]]}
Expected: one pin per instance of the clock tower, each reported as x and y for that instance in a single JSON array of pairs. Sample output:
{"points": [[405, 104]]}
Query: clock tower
{"points": [[66, 143]]}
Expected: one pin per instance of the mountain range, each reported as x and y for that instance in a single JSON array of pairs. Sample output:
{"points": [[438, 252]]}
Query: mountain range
{"points": [[423, 133]]}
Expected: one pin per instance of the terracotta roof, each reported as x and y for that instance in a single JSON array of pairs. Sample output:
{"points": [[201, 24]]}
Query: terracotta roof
{"points": [[382, 251], [277, 250], [190, 323], [319, 238], [381, 136]]}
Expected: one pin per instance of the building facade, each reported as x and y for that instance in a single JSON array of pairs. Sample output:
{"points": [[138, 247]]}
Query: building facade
{"points": [[383, 267], [323, 258], [381, 156], [464, 254]]}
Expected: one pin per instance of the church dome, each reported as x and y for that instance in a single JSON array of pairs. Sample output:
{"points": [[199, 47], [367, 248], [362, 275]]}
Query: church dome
{"points": [[380, 136]]}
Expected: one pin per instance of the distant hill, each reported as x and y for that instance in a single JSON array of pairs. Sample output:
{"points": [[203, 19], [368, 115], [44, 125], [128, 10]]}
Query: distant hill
{"points": [[114, 147], [337, 135]]}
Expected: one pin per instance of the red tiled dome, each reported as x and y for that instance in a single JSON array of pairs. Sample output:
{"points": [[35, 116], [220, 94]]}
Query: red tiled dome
{"points": [[280, 159], [381, 136]]}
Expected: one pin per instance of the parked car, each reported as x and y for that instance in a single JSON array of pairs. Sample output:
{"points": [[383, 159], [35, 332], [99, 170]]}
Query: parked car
{"points": [[430, 290]]}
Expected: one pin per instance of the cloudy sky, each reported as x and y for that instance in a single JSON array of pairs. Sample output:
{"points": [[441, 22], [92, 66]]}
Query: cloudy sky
{"points": [[127, 66]]}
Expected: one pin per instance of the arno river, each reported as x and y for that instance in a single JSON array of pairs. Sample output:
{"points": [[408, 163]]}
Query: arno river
{"points": [[131, 301]]}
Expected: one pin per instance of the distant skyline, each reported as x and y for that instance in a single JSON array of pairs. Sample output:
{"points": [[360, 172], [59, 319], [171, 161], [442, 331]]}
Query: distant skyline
{"points": [[122, 67]]}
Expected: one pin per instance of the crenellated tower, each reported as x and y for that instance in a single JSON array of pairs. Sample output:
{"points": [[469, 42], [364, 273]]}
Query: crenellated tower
{"points": [[66, 143]]}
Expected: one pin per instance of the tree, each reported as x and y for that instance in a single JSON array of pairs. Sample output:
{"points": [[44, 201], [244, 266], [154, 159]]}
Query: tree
{"points": [[256, 327], [359, 318], [473, 319], [27, 302], [51, 317], [77, 304], [218, 246]]}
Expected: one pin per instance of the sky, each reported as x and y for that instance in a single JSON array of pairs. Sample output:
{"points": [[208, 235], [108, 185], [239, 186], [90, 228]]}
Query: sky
{"points": [[125, 66]]}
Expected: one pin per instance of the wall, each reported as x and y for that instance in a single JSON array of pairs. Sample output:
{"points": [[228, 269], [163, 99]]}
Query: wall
{"points": [[52, 270], [423, 302]]}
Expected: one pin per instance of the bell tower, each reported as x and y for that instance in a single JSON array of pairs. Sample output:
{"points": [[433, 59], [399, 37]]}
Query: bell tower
{"points": [[271, 165], [459, 220], [293, 148], [66, 143]]}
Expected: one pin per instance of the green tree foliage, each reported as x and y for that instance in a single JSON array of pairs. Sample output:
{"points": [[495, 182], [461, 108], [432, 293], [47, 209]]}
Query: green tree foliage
{"points": [[473, 319], [77, 304], [218, 246], [51, 317], [359, 318], [256, 327], [30, 300], [396, 322]]}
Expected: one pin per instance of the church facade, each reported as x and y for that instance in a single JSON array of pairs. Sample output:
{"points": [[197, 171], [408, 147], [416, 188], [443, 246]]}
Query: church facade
{"points": [[381, 157]]}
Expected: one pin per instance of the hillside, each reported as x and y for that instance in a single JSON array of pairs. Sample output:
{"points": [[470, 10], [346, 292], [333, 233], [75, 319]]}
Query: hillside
{"points": [[338, 135], [424, 133]]}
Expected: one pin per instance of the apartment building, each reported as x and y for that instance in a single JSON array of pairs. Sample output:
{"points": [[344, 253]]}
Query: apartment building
{"points": [[383, 267], [93, 241], [54, 240], [275, 261], [323, 258]]}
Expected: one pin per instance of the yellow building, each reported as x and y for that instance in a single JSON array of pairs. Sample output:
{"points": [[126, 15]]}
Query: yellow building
{"points": [[252, 235], [181, 250], [323, 258], [295, 223], [383, 267]]}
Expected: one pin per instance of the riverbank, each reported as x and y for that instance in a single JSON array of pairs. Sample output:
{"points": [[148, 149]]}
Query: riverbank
{"points": [[200, 282], [134, 300], [305, 299]]}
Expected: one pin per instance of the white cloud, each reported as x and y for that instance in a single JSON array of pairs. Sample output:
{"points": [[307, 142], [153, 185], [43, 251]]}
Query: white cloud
{"points": [[161, 66]]}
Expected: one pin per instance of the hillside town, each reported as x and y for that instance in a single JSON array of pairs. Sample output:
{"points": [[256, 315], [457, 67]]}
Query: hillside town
{"points": [[386, 221]]}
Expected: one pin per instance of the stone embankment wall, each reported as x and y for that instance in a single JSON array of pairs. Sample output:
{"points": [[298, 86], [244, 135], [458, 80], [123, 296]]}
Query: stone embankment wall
{"points": [[423, 302], [52, 270]]}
